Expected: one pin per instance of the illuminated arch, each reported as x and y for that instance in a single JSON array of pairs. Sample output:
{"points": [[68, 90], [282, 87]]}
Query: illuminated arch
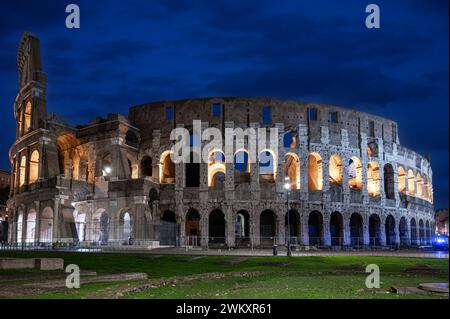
{"points": [[34, 167], [315, 174], [354, 171], [419, 185], [166, 169], [425, 188], [401, 177], [27, 115], [22, 169], [292, 169], [216, 164], [411, 187], [373, 179], [335, 170]]}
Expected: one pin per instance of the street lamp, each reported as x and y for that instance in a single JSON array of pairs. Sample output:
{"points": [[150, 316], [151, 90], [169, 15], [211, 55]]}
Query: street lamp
{"points": [[287, 187]]}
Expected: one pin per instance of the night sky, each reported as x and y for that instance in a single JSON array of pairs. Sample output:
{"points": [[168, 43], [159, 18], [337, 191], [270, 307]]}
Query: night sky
{"points": [[132, 52]]}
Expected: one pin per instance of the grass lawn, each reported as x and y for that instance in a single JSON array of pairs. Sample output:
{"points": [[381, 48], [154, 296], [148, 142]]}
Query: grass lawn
{"points": [[252, 277]]}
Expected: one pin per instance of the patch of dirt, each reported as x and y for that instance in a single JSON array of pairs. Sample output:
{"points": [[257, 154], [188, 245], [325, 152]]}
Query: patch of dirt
{"points": [[422, 269], [275, 264], [232, 262]]}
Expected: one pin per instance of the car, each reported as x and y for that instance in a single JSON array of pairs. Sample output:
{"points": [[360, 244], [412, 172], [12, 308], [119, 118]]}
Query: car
{"points": [[440, 242]]}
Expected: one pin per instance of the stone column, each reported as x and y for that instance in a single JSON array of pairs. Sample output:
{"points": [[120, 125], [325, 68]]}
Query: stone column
{"points": [[303, 156], [57, 218], [366, 234], [304, 232], [281, 225], [364, 162], [229, 167], [254, 171], [346, 229], [254, 227], [204, 228], [37, 226], [280, 159], [326, 229], [230, 226]]}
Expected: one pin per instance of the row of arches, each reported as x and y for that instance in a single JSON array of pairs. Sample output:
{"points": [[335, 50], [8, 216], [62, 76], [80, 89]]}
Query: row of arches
{"points": [[27, 230], [380, 232], [268, 171]]}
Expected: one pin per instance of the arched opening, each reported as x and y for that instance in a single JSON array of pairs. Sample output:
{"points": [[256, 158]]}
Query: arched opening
{"points": [[292, 225], [354, 171], [401, 180], [241, 167], [336, 229], [131, 139], [292, 169], [411, 182], [192, 172], [167, 169], [83, 170], [373, 179], [374, 230], [80, 225], [105, 164], [31, 226], [132, 166], [425, 188], [169, 230], [414, 232], [315, 228], [19, 227], [192, 228], [267, 228], [216, 227], [403, 232], [335, 170], [421, 232], [22, 169], [419, 185], [267, 167], [242, 228], [389, 184], [356, 230], [427, 232], [216, 170], [126, 226], [67, 144], [390, 231], [34, 167], [315, 174], [27, 126], [46, 225]]}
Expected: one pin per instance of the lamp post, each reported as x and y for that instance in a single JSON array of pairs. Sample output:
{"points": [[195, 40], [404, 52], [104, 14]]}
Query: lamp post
{"points": [[287, 187]]}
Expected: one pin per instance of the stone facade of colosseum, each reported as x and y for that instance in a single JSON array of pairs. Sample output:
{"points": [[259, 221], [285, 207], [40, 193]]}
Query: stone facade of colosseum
{"points": [[112, 182]]}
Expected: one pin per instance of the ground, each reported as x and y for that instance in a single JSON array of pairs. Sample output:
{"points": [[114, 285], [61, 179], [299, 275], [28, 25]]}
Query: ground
{"points": [[184, 277]]}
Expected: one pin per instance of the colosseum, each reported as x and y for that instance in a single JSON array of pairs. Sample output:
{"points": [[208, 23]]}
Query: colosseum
{"points": [[113, 182]]}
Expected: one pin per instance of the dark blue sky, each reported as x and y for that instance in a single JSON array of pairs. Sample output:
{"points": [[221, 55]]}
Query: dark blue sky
{"points": [[131, 52]]}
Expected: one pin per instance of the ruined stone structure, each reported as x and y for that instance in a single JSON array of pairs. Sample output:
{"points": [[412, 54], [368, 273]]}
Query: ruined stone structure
{"points": [[113, 182]]}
